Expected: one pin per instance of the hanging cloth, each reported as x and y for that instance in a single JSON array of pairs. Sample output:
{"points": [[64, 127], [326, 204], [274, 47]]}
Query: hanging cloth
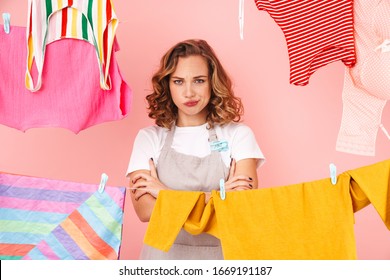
{"points": [[50, 20], [312, 220], [50, 219], [71, 96]]}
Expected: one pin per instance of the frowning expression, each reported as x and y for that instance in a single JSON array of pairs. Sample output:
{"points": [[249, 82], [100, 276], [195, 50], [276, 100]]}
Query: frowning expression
{"points": [[190, 90]]}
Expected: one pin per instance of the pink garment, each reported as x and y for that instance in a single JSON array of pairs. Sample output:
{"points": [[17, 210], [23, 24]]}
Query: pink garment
{"points": [[367, 85], [71, 96]]}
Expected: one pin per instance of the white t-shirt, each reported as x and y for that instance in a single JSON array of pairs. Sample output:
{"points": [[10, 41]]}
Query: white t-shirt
{"points": [[193, 140]]}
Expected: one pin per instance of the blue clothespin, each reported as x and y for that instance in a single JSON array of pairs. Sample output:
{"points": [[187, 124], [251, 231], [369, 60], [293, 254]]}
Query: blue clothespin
{"points": [[333, 176], [103, 182], [222, 192], [7, 22]]}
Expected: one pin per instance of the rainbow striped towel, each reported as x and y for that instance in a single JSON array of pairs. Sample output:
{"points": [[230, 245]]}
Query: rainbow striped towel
{"points": [[50, 219]]}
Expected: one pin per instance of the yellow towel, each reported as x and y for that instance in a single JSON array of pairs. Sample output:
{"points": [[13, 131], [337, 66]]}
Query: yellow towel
{"points": [[170, 212], [312, 220], [374, 182]]}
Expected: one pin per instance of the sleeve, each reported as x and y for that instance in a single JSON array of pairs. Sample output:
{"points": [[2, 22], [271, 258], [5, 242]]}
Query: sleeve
{"points": [[244, 145], [144, 148]]}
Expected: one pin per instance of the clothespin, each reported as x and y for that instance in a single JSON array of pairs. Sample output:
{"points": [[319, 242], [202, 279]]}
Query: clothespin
{"points": [[7, 22], [241, 18], [103, 182], [333, 171], [222, 192]]}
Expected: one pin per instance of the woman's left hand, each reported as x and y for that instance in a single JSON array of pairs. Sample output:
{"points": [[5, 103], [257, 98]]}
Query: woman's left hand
{"points": [[148, 184], [237, 182]]}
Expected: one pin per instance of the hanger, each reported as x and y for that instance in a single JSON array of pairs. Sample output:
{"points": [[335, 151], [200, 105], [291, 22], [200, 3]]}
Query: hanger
{"points": [[7, 21], [222, 192], [333, 171], [241, 18], [384, 131], [103, 182]]}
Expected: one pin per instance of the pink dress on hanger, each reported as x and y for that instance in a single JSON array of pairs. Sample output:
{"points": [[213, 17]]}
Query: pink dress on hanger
{"points": [[70, 96]]}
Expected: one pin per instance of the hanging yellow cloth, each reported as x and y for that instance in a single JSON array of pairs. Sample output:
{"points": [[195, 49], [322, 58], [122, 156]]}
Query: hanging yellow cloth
{"points": [[312, 220], [170, 212]]}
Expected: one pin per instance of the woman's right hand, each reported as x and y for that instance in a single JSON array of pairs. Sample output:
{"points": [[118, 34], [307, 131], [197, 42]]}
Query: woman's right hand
{"points": [[147, 184]]}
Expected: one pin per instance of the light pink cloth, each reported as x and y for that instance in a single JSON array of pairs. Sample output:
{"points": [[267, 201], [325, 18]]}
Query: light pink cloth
{"points": [[70, 96], [366, 85]]}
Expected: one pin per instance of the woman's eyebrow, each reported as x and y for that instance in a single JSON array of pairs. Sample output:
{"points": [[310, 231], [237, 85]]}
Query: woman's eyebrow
{"points": [[195, 77]]}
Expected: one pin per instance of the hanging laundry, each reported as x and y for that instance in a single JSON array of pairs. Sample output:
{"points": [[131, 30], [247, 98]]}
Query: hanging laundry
{"points": [[312, 220], [51, 219], [317, 33], [366, 86], [70, 98], [50, 20]]}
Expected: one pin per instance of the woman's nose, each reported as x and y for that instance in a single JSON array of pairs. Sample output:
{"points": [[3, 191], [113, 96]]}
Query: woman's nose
{"points": [[189, 91]]}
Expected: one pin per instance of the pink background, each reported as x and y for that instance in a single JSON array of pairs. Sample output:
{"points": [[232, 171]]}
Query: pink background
{"points": [[296, 127]]}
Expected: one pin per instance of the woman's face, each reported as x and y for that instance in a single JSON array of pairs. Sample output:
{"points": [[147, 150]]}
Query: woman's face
{"points": [[190, 89]]}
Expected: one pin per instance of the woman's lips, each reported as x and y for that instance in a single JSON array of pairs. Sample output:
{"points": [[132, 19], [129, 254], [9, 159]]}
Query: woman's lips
{"points": [[191, 103]]}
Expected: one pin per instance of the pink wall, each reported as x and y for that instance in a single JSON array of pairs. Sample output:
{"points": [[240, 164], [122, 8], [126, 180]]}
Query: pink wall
{"points": [[296, 127]]}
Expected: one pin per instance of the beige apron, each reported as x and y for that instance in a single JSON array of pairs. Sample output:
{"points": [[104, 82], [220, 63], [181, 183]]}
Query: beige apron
{"points": [[184, 172]]}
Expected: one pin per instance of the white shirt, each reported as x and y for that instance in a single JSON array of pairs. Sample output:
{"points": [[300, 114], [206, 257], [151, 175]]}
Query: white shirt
{"points": [[193, 140]]}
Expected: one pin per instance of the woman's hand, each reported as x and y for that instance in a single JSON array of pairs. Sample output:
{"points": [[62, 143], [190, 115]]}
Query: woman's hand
{"points": [[147, 184], [237, 182]]}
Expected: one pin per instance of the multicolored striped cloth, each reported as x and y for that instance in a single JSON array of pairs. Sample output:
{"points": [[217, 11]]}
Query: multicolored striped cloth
{"points": [[94, 21], [51, 219]]}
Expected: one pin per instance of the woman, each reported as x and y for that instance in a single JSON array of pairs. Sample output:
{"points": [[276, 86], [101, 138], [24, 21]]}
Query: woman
{"points": [[197, 141]]}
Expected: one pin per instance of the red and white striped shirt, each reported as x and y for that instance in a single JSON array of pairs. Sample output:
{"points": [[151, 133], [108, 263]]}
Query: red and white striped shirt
{"points": [[317, 33]]}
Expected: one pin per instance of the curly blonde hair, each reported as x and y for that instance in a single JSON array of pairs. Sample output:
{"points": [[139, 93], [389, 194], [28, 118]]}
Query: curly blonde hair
{"points": [[223, 107]]}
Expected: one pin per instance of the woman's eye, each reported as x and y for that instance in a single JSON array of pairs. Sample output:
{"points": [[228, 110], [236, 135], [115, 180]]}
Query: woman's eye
{"points": [[199, 81], [177, 82]]}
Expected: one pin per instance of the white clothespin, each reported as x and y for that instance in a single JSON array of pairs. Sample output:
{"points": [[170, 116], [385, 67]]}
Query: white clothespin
{"points": [[384, 131], [7, 22], [222, 192], [384, 47], [103, 182], [333, 171], [241, 18]]}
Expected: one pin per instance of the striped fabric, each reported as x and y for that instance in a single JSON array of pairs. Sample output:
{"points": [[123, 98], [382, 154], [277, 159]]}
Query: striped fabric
{"points": [[50, 219], [317, 33], [48, 20]]}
